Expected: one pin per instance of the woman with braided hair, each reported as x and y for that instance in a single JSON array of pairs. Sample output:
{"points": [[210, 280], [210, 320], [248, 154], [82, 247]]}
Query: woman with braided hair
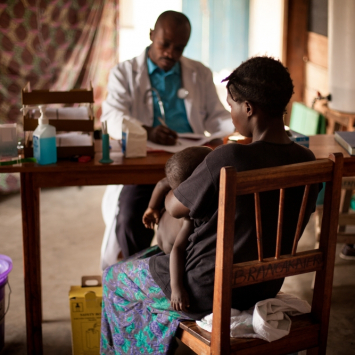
{"points": [[258, 92]]}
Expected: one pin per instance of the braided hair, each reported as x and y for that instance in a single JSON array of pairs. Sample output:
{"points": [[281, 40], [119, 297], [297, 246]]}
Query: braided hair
{"points": [[263, 81]]}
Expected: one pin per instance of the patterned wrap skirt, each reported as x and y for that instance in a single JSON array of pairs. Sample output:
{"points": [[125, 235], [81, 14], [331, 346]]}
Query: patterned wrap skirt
{"points": [[136, 316]]}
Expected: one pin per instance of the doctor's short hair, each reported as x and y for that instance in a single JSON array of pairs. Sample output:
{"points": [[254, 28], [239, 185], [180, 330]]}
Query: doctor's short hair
{"points": [[182, 164], [263, 81], [178, 18]]}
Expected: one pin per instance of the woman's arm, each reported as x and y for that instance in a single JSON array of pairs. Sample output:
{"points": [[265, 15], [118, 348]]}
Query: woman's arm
{"points": [[159, 193], [179, 297], [175, 207]]}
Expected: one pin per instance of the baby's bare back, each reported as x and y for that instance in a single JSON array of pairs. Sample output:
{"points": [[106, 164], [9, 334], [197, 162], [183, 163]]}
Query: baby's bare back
{"points": [[168, 229]]}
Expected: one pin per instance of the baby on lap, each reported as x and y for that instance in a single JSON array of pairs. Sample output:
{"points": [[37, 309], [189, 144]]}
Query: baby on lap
{"points": [[172, 233]]}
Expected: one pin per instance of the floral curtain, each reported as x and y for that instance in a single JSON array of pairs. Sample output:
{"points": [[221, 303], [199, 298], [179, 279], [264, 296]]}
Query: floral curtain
{"points": [[55, 45]]}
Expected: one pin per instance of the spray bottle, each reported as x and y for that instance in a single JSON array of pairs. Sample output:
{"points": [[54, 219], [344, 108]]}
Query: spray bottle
{"points": [[44, 142]]}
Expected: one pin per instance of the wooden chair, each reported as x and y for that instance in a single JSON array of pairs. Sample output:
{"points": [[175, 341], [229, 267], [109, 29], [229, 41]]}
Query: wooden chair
{"points": [[308, 331], [336, 120], [346, 218]]}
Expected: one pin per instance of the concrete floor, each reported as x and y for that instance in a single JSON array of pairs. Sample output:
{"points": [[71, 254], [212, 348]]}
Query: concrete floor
{"points": [[72, 228]]}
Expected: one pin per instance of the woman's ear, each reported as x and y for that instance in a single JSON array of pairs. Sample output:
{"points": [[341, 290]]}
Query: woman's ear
{"points": [[249, 109]]}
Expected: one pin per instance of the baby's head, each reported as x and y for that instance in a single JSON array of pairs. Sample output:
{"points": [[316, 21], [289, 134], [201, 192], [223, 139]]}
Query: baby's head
{"points": [[181, 165], [264, 82]]}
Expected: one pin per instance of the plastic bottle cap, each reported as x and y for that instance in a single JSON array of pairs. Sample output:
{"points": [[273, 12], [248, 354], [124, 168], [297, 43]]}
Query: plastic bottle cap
{"points": [[43, 118], [84, 159]]}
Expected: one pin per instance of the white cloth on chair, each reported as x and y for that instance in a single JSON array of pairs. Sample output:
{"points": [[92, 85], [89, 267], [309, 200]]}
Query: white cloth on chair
{"points": [[267, 320], [109, 208]]}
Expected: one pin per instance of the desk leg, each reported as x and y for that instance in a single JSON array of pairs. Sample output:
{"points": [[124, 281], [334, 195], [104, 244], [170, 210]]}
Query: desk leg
{"points": [[32, 262]]}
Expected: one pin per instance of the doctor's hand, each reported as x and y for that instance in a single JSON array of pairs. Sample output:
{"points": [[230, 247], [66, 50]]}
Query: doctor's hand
{"points": [[161, 135]]}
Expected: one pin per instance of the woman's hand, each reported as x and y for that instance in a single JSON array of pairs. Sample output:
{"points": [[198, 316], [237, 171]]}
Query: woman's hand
{"points": [[179, 299], [151, 216]]}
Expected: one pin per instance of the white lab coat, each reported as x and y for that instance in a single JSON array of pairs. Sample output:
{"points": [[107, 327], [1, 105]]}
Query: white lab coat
{"points": [[127, 87]]}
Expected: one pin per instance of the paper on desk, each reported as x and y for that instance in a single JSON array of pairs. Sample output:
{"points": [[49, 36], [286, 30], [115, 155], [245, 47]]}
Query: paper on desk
{"points": [[73, 139], [65, 113], [185, 140], [194, 136]]}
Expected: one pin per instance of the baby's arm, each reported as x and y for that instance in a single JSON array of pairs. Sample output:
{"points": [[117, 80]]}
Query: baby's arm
{"points": [[179, 297], [156, 203]]}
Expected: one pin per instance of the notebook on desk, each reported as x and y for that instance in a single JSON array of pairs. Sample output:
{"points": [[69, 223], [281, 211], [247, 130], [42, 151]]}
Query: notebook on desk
{"points": [[346, 140]]}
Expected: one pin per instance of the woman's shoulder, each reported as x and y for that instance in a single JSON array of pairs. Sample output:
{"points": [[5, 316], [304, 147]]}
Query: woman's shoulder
{"points": [[229, 151], [226, 148], [304, 151], [257, 155], [225, 155]]}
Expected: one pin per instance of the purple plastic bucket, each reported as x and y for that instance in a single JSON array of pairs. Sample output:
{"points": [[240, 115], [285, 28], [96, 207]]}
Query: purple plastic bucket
{"points": [[5, 268]]}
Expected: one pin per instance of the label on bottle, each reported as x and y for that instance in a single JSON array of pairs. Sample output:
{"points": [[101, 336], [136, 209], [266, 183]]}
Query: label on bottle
{"points": [[45, 150], [124, 142], [36, 148], [48, 149]]}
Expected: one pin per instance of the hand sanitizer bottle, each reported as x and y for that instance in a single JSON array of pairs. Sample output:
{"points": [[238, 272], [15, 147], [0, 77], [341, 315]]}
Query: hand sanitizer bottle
{"points": [[44, 142]]}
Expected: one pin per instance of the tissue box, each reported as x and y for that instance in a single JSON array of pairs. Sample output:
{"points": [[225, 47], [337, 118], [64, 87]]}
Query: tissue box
{"points": [[8, 141], [134, 139], [85, 313]]}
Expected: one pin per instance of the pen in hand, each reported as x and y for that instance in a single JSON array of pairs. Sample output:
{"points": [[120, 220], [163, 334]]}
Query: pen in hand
{"points": [[162, 122], [165, 125]]}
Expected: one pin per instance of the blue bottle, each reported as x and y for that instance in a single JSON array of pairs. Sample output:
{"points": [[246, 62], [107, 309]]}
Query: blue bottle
{"points": [[44, 142]]}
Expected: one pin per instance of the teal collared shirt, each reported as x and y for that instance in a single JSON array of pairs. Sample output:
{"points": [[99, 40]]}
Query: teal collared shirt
{"points": [[167, 84]]}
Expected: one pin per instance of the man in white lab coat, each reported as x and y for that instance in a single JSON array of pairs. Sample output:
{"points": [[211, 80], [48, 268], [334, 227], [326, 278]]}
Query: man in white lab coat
{"points": [[136, 90]]}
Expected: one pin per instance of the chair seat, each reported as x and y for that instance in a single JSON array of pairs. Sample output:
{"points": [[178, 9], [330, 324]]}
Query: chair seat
{"points": [[304, 334]]}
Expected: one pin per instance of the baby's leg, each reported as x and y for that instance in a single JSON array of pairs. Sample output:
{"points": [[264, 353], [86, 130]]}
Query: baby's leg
{"points": [[168, 229]]}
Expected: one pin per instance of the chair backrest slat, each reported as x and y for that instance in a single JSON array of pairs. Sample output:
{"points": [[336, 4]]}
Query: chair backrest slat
{"points": [[250, 272], [277, 178], [323, 284], [280, 224], [259, 232], [300, 219], [224, 260]]}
